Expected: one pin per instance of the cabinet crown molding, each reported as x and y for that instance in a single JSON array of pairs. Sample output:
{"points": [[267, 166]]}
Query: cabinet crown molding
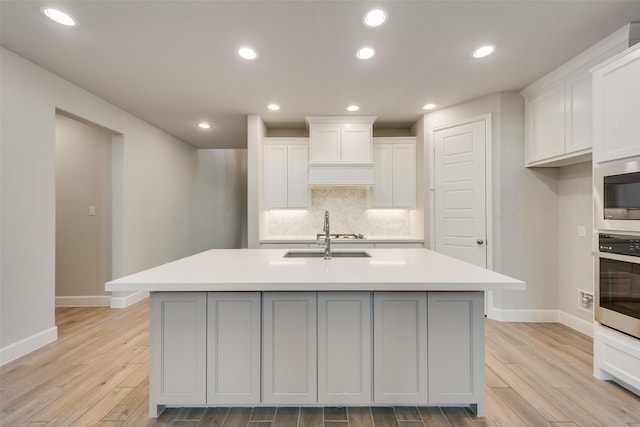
{"points": [[309, 120], [583, 61]]}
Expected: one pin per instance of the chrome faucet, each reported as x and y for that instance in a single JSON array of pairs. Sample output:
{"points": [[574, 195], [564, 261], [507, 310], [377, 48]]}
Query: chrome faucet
{"points": [[327, 240]]}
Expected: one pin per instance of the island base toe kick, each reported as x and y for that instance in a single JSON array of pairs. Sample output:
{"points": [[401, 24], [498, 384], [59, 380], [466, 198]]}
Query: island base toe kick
{"points": [[316, 348]]}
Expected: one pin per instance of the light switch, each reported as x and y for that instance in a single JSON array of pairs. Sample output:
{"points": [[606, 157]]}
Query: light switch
{"points": [[92, 211], [582, 232]]}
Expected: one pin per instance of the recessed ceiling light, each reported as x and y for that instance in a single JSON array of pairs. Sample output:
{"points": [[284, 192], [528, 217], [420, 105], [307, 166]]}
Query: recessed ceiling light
{"points": [[58, 16], [429, 106], [273, 107], [353, 108], [365, 53], [483, 51], [375, 17], [247, 53], [204, 125]]}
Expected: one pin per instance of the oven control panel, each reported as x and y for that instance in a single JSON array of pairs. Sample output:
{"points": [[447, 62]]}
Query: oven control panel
{"points": [[622, 244]]}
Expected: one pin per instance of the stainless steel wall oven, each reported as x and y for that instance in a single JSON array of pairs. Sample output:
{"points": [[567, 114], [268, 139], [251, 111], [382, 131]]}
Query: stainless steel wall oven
{"points": [[618, 286]]}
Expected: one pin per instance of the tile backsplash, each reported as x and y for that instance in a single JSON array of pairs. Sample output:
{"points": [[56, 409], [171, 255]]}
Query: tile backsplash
{"points": [[349, 211]]}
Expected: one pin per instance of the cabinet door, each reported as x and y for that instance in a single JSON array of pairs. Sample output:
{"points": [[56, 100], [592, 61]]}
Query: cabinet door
{"points": [[275, 172], [579, 122], [344, 347], [404, 175], [400, 347], [545, 115], [382, 191], [289, 348], [456, 348], [178, 348], [298, 176], [324, 143], [355, 143], [233, 347], [616, 96]]}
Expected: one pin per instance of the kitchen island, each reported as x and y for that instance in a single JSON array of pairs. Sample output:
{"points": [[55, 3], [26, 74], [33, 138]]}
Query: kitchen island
{"points": [[253, 327]]}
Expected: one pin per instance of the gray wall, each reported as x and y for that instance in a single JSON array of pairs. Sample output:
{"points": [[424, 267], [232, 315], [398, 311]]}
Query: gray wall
{"points": [[525, 205], [83, 179], [220, 210], [152, 219], [574, 252]]}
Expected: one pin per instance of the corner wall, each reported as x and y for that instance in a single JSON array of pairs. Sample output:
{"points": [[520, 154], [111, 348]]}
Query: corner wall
{"points": [[575, 252], [525, 207], [158, 176], [220, 210]]}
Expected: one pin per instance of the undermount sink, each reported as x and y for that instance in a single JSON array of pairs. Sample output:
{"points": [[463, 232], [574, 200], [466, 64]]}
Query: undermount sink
{"points": [[320, 254]]}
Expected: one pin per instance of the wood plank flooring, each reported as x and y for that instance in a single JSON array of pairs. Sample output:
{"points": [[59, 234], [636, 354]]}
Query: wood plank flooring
{"points": [[537, 374]]}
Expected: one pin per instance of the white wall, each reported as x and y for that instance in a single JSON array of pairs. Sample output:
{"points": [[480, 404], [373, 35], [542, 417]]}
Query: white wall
{"points": [[83, 242], [158, 175], [220, 210], [525, 207], [256, 130], [574, 252], [350, 210]]}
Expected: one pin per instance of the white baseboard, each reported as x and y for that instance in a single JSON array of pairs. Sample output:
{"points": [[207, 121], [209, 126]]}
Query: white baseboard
{"points": [[543, 316], [27, 345], [84, 301], [586, 327], [127, 300], [509, 315]]}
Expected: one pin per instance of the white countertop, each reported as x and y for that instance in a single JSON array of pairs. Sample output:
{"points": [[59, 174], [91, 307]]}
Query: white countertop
{"points": [[267, 270]]}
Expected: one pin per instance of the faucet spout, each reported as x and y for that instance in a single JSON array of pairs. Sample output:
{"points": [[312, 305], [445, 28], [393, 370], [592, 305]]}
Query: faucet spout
{"points": [[327, 239]]}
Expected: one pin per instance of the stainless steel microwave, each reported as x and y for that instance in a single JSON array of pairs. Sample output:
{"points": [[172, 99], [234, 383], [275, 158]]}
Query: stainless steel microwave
{"points": [[622, 196], [617, 196]]}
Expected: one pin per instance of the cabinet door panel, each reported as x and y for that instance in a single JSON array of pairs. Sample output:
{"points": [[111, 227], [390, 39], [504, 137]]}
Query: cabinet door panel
{"points": [[233, 347], [400, 347], [546, 124], [382, 191], [298, 176], [356, 143], [404, 176], [275, 169], [456, 347], [289, 348], [324, 143], [178, 348], [616, 98], [344, 347], [578, 113]]}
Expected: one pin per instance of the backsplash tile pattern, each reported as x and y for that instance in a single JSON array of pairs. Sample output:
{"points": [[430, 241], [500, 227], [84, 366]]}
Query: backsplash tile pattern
{"points": [[350, 213]]}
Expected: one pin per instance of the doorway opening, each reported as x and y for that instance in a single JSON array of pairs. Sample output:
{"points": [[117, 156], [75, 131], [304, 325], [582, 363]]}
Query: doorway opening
{"points": [[84, 212]]}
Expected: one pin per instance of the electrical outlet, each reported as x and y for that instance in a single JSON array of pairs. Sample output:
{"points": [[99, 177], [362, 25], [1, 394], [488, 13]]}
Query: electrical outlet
{"points": [[582, 232], [585, 300]]}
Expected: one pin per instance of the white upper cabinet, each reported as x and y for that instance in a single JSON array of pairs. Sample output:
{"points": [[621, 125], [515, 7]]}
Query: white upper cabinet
{"points": [[558, 116], [395, 173], [286, 173], [616, 113], [545, 133], [340, 139]]}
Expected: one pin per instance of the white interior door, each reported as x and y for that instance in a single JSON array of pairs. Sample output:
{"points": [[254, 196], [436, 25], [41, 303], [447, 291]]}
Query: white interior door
{"points": [[460, 191]]}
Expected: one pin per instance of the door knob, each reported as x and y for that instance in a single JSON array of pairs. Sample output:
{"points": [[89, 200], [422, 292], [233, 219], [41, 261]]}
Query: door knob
{"points": [[480, 242]]}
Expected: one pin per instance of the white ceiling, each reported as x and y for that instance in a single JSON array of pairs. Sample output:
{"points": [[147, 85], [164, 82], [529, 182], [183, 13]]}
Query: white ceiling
{"points": [[174, 63]]}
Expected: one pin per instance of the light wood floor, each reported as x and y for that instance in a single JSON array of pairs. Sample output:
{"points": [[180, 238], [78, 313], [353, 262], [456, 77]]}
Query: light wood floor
{"points": [[97, 374]]}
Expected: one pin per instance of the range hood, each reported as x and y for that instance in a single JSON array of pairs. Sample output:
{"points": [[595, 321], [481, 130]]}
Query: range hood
{"points": [[343, 174], [340, 151]]}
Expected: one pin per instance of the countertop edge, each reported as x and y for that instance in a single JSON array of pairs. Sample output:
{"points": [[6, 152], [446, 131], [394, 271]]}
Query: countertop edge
{"points": [[317, 287]]}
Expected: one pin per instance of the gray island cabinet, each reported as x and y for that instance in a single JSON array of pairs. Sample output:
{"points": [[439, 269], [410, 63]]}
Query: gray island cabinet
{"points": [[251, 327]]}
